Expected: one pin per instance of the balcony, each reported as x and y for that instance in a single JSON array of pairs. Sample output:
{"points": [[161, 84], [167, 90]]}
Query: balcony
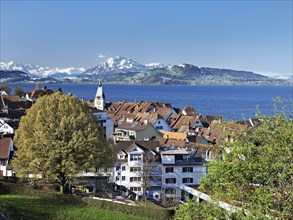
{"points": [[155, 182]]}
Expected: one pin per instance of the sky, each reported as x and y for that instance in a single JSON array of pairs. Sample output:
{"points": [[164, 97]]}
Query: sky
{"points": [[240, 35]]}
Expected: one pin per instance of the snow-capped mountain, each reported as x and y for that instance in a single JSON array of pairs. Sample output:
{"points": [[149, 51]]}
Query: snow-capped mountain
{"points": [[112, 65], [40, 72], [13, 66], [117, 65], [155, 65]]}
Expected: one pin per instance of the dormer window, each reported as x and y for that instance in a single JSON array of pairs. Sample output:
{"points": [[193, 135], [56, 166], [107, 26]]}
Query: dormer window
{"points": [[121, 155]]}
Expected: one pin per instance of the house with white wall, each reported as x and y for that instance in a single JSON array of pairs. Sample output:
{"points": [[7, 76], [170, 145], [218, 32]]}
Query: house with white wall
{"points": [[105, 122], [180, 167], [5, 128], [134, 130], [167, 171]]}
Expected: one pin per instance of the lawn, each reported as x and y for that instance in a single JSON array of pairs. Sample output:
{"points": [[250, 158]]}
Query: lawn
{"points": [[24, 207]]}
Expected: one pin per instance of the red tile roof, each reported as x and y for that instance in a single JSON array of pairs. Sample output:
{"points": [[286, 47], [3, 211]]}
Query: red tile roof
{"points": [[4, 147]]}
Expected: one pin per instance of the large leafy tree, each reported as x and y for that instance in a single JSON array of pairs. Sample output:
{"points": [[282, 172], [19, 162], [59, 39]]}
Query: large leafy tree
{"points": [[254, 172], [58, 139]]}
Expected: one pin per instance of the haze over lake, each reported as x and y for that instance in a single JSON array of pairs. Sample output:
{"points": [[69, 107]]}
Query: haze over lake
{"points": [[232, 102]]}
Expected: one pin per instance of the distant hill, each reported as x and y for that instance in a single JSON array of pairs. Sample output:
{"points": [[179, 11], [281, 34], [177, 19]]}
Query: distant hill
{"points": [[127, 71], [13, 76]]}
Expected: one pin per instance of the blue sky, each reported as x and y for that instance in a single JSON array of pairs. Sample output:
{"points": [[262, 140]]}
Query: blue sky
{"points": [[243, 35]]}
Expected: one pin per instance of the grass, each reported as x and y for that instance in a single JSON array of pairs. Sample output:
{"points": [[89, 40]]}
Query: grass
{"points": [[24, 207]]}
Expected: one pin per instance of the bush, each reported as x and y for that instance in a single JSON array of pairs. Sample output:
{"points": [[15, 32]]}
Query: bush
{"points": [[150, 213]]}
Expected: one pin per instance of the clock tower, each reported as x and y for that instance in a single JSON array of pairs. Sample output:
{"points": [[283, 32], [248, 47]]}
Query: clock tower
{"points": [[100, 97]]}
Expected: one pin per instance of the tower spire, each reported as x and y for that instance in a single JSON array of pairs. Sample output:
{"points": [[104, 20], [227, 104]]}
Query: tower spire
{"points": [[100, 97]]}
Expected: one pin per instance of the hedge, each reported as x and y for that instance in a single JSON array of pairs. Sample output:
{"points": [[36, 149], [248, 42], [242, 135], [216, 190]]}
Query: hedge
{"points": [[150, 213]]}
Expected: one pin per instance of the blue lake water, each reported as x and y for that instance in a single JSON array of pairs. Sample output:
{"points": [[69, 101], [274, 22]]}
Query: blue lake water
{"points": [[232, 102]]}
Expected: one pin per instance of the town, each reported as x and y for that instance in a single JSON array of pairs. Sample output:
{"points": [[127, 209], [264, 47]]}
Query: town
{"points": [[159, 151]]}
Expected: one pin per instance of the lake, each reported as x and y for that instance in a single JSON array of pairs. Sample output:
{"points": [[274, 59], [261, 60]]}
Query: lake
{"points": [[232, 102]]}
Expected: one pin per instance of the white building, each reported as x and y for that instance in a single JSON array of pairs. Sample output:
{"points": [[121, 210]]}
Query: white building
{"points": [[102, 115], [105, 122], [161, 171], [180, 167], [5, 128]]}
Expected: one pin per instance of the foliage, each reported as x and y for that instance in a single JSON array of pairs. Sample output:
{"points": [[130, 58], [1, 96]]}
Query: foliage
{"points": [[255, 171], [5, 88], [58, 139], [19, 91], [197, 211]]}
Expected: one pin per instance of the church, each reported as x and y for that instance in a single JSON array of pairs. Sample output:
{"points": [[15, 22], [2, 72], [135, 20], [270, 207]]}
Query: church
{"points": [[99, 111]]}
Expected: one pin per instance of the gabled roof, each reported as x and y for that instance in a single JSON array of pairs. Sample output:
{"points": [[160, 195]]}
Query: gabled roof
{"points": [[164, 112], [184, 121], [150, 117], [189, 111], [11, 98], [40, 92], [127, 145], [171, 142], [133, 125], [142, 107], [4, 147], [173, 119]]}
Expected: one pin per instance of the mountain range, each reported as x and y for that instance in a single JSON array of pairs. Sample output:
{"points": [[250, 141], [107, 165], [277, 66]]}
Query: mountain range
{"points": [[128, 71]]}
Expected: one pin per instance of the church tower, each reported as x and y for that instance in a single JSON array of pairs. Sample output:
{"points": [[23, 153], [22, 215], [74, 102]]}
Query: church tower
{"points": [[100, 97]]}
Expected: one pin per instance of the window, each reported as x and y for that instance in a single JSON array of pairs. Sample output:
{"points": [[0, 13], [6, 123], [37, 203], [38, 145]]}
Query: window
{"points": [[187, 169], [135, 169], [135, 157], [159, 122], [170, 180], [117, 178], [135, 179], [187, 180], [123, 167], [170, 191], [169, 170], [135, 189], [123, 178], [159, 127]]}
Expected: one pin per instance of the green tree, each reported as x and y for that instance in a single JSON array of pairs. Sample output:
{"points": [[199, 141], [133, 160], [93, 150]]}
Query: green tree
{"points": [[58, 139], [255, 171], [198, 211], [19, 91]]}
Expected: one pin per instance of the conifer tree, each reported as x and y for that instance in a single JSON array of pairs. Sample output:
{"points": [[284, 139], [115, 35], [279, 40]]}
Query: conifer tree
{"points": [[58, 139]]}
